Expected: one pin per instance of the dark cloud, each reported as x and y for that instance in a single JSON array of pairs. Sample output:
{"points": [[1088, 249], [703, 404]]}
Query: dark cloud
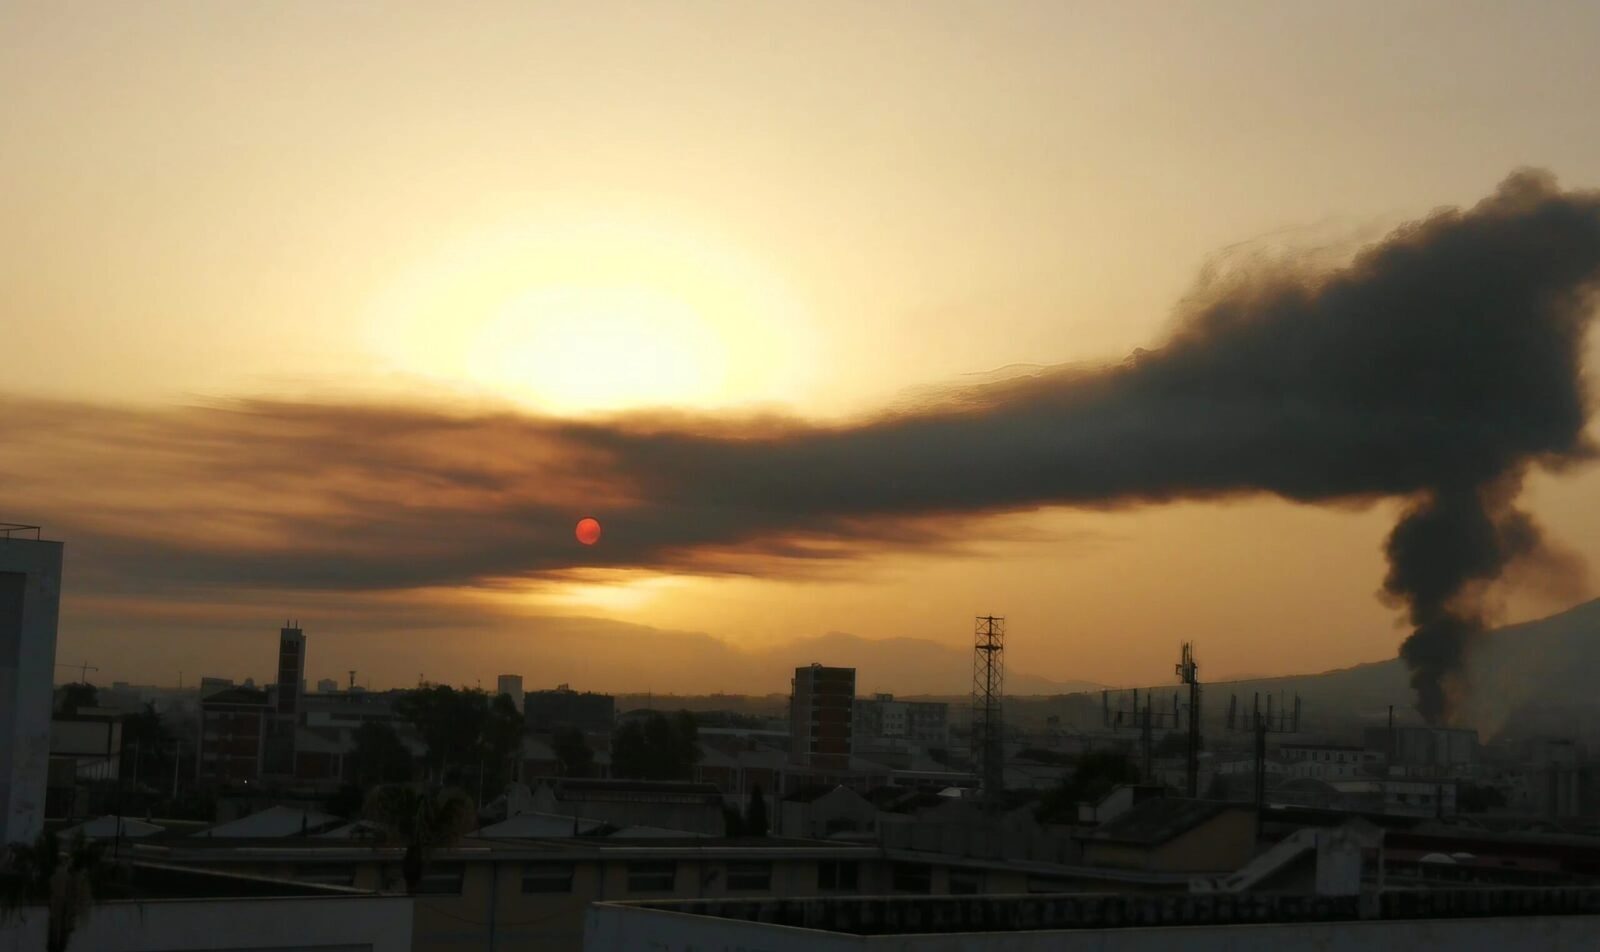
{"points": [[1437, 365]]}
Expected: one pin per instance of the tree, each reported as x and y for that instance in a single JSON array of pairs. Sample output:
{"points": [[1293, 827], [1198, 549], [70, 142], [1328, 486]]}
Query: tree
{"points": [[421, 821], [145, 738], [380, 756], [76, 695], [1097, 773], [573, 752], [658, 748], [451, 722], [65, 882], [755, 813], [501, 738], [1480, 798]]}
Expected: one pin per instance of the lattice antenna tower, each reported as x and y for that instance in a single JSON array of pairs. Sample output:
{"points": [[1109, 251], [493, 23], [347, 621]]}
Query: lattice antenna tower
{"points": [[1188, 671], [988, 691]]}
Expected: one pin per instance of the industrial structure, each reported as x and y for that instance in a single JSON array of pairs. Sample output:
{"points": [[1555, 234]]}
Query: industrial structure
{"points": [[988, 693]]}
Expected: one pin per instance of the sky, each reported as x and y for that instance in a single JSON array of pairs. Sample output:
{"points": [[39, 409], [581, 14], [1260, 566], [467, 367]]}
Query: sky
{"points": [[372, 284]]}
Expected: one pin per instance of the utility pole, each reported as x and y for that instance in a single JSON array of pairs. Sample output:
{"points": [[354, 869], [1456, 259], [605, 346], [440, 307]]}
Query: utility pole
{"points": [[1284, 721]]}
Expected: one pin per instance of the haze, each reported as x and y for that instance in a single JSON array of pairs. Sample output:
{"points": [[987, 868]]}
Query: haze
{"points": [[572, 211]]}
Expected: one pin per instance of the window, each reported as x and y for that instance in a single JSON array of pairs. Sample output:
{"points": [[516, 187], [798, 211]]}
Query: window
{"points": [[547, 877], [750, 876], [965, 882], [1047, 884], [325, 874], [652, 877], [839, 875], [913, 878], [443, 879]]}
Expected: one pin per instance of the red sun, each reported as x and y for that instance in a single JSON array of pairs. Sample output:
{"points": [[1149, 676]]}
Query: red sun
{"points": [[588, 530]]}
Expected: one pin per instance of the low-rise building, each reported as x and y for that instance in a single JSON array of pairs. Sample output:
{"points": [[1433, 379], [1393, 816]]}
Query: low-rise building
{"points": [[1499, 920], [1171, 834], [157, 907]]}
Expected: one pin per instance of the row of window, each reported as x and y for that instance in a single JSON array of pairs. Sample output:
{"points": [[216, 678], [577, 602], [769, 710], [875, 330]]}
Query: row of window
{"points": [[658, 876]]}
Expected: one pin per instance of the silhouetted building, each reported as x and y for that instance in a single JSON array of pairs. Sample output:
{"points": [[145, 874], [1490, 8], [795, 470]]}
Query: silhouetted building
{"points": [[210, 686], [548, 711], [279, 758], [30, 593], [821, 716], [327, 686], [511, 686], [233, 735]]}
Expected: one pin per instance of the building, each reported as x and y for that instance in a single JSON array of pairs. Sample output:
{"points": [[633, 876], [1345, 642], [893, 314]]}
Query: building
{"points": [[279, 756], [511, 686], [210, 685], [820, 811], [30, 600], [157, 907], [327, 686], [84, 748], [531, 892], [1171, 834], [549, 711], [233, 736], [1330, 761], [926, 723], [1428, 748], [661, 804], [1484, 920], [821, 717]]}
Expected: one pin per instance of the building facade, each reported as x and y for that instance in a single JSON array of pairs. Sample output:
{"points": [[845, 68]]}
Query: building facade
{"points": [[511, 686], [233, 735], [822, 717], [30, 599]]}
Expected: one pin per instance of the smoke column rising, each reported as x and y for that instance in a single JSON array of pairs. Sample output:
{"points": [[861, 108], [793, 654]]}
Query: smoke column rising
{"points": [[1438, 367]]}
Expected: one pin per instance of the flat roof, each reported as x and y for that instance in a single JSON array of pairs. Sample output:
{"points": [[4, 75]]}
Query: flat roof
{"points": [[914, 915]]}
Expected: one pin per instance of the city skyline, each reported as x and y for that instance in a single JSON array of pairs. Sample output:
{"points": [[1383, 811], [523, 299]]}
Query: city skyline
{"points": [[338, 333]]}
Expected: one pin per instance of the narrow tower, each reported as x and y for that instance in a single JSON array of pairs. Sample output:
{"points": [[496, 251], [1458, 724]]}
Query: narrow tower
{"points": [[988, 689]]}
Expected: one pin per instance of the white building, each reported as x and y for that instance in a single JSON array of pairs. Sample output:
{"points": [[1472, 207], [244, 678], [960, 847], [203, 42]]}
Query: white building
{"points": [[30, 599]]}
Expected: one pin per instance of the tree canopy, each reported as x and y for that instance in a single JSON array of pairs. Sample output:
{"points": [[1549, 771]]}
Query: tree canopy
{"points": [[657, 748]]}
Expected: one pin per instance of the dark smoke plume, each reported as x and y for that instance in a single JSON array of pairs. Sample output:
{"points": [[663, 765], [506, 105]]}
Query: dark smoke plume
{"points": [[1437, 366]]}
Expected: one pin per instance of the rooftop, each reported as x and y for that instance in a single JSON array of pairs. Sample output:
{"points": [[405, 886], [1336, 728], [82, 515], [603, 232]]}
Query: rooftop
{"points": [[902, 915], [1156, 821]]}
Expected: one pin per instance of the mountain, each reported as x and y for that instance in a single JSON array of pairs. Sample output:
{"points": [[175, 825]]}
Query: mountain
{"points": [[1537, 675]]}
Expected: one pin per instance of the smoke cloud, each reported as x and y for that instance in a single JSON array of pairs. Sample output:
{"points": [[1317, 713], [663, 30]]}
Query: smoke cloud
{"points": [[1437, 366]]}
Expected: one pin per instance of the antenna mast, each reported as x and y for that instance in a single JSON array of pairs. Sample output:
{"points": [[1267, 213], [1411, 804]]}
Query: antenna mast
{"points": [[1189, 673], [988, 691]]}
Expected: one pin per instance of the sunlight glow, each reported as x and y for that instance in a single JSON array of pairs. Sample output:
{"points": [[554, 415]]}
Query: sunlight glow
{"points": [[597, 318]]}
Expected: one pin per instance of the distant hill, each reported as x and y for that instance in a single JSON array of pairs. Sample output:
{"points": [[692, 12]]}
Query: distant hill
{"points": [[1538, 673]]}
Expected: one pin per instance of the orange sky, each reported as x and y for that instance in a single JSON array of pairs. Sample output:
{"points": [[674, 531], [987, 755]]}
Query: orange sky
{"points": [[583, 208]]}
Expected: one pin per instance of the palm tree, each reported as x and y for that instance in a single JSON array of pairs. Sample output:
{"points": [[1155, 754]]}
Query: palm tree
{"points": [[421, 820], [64, 882]]}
